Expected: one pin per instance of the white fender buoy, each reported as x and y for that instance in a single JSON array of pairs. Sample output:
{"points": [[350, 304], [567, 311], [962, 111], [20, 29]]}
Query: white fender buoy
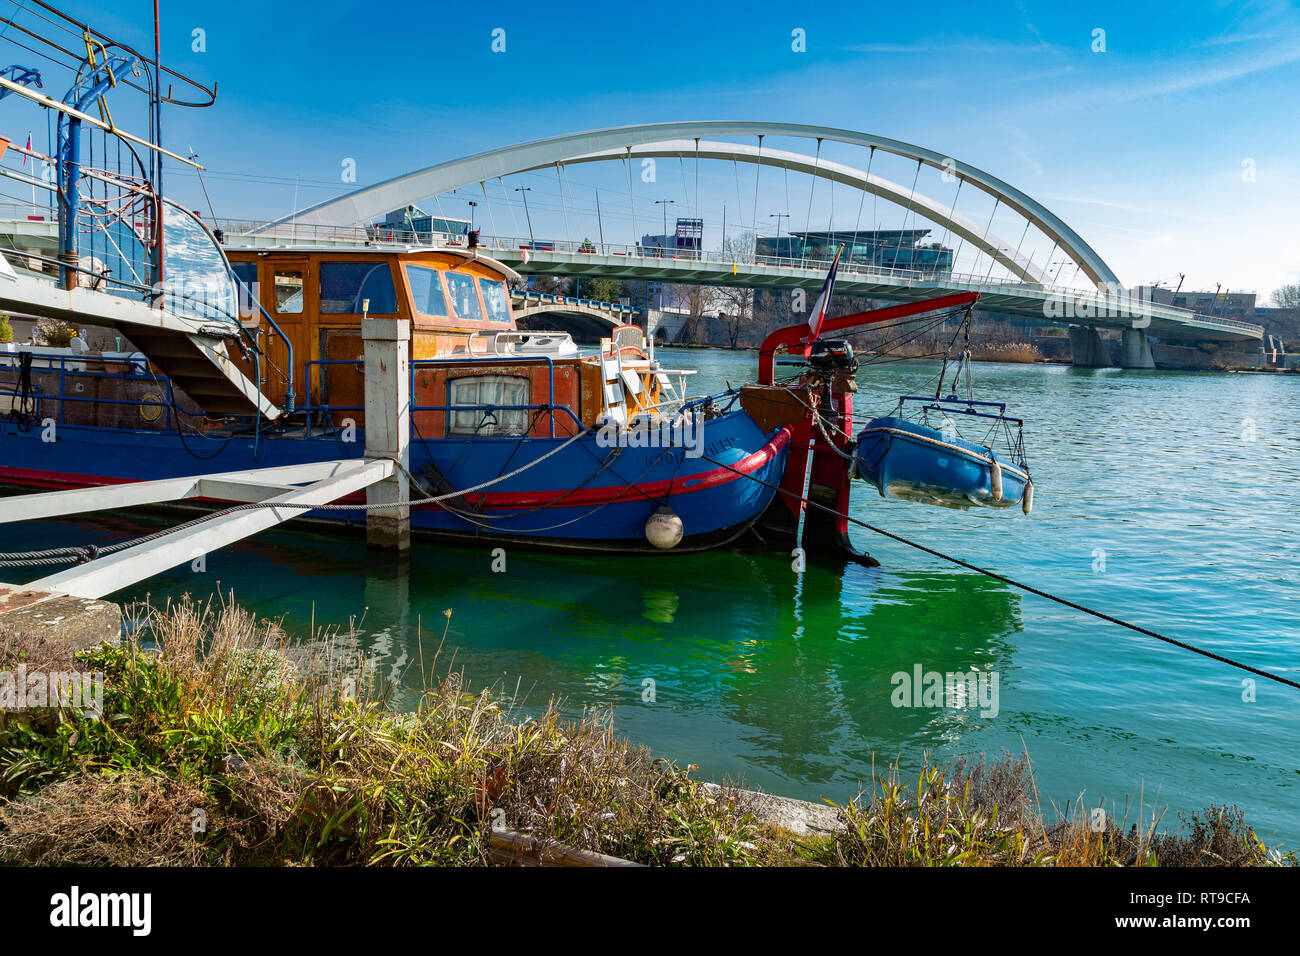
{"points": [[995, 479], [1027, 502], [664, 529]]}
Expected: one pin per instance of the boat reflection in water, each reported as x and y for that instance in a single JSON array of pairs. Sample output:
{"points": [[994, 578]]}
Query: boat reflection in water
{"points": [[757, 672]]}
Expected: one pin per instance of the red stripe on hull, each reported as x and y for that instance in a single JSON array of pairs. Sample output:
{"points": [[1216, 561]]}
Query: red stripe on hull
{"points": [[657, 489], [501, 499]]}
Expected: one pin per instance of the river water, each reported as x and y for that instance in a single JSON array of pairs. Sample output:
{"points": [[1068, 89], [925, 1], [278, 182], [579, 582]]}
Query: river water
{"points": [[1169, 499]]}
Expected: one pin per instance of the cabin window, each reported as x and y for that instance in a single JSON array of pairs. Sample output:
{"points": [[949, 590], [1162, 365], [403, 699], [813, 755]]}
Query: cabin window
{"points": [[288, 291], [494, 297], [463, 297], [483, 391], [426, 290], [344, 287], [246, 274]]}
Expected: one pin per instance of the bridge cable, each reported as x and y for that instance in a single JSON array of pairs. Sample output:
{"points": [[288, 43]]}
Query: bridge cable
{"points": [[627, 162], [857, 223], [911, 197], [514, 222], [1049, 259], [564, 206], [681, 174], [491, 218], [812, 189], [985, 241], [1016, 259], [697, 191], [740, 205]]}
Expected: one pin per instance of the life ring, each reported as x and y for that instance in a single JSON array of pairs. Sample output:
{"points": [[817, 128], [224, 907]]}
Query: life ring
{"points": [[151, 413]]}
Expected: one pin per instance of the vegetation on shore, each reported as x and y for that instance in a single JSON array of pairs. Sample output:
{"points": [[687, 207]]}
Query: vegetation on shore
{"points": [[221, 743]]}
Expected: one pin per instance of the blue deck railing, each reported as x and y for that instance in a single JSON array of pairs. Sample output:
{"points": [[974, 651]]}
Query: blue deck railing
{"points": [[63, 371], [550, 407], [78, 365]]}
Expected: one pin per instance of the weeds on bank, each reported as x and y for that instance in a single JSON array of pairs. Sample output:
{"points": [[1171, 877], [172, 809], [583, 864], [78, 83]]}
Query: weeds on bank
{"points": [[988, 814], [224, 743]]}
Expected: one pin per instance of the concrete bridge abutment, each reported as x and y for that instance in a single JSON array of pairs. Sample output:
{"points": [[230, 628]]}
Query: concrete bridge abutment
{"points": [[1088, 348], [1135, 350]]}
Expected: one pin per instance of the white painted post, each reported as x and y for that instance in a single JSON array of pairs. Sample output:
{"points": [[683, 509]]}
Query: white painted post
{"points": [[388, 428]]}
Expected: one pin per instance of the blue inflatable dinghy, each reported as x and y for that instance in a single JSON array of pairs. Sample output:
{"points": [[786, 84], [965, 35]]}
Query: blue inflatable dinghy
{"points": [[915, 462]]}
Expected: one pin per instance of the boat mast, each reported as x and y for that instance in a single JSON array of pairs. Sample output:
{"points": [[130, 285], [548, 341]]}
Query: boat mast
{"points": [[158, 158]]}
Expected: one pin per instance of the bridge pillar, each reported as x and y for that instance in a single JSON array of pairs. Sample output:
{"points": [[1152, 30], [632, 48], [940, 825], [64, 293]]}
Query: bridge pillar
{"points": [[1087, 349], [1136, 350], [669, 323]]}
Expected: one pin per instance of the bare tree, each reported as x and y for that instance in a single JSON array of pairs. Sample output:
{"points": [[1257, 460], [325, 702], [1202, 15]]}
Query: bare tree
{"points": [[738, 301], [1287, 297], [551, 285], [695, 300], [1287, 324]]}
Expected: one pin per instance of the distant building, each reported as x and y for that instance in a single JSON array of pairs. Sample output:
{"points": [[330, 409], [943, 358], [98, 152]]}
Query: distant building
{"points": [[1281, 326], [1223, 304], [685, 242], [874, 248], [414, 222]]}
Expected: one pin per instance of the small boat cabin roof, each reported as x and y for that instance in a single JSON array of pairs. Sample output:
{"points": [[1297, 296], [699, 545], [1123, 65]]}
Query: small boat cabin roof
{"points": [[448, 289]]}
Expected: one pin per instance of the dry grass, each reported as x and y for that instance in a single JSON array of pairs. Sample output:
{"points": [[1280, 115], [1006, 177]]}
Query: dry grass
{"points": [[222, 743], [988, 814], [293, 758], [1008, 352], [89, 820]]}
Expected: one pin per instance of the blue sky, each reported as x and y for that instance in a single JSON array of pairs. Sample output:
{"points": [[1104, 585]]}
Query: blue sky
{"points": [[1140, 148]]}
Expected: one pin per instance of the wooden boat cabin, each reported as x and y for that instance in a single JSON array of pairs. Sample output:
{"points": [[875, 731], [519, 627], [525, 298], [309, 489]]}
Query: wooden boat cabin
{"points": [[475, 373]]}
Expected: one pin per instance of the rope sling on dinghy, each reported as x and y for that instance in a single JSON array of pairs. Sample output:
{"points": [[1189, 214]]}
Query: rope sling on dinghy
{"points": [[906, 455]]}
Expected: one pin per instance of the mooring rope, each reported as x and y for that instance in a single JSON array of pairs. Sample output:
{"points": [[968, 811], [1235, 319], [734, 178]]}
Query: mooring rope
{"points": [[86, 553], [80, 554], [1029, 588]]}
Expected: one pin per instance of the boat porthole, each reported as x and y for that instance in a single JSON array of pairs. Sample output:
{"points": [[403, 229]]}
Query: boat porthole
{"points": [[150, 413]]}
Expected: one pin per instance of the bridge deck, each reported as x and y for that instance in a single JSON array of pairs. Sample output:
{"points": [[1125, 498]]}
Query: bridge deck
{"points": [[1053, 304]]}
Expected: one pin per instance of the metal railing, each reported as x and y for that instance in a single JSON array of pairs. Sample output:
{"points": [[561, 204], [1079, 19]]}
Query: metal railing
{"points": [[511, 246], [417, 364], [529, 296], [140, 373]]}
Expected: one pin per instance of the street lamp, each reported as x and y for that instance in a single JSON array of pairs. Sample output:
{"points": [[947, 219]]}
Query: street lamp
{"points": [[525, 190], [777, 216], [663, 244]]}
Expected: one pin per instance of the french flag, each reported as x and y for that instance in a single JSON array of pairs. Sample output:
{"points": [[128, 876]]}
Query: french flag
{"points": [[29, 146], [823, 303]]}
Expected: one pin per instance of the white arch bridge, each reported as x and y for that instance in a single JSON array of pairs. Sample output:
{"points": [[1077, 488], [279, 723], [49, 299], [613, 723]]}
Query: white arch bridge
{"points": [[1043, 269]]}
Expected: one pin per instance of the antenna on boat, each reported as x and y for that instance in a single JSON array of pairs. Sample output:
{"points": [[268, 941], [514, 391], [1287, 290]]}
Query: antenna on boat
{"points": [[158, 267], [211, 211]]}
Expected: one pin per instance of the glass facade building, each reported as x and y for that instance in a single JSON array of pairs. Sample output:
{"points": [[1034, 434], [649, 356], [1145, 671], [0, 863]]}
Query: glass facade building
{"points": [[876, 248]]}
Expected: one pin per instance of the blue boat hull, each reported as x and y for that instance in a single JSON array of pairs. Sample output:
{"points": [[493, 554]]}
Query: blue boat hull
{"points": [[584, 497], [916, 463]]}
